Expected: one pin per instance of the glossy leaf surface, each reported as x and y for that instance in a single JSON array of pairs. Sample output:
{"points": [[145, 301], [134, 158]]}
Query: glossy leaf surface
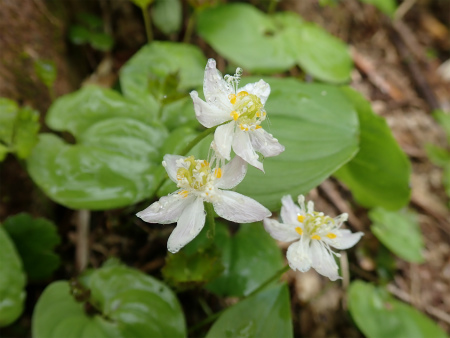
{"points": [[131, 304], [116, 156], [12, 281]]}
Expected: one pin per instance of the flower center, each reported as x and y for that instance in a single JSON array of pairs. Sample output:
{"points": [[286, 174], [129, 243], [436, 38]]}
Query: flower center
{"points": [[196, 175], [248, 111], [316, 224]]}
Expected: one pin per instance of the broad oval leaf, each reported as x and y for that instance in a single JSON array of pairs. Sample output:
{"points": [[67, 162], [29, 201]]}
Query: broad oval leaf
{"points": [[399, 232], [379, 174], [12, 281], [116, 156], [264, 315], [250, 257], [35, 240], [131, 304], [378, 314], [319, 53], [167, 15], [318, 127], [162, 71], [247, 37]]}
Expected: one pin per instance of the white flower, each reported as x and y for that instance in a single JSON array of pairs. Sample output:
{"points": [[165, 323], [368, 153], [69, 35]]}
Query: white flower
{"points": [[314, 233], [198, 182], [243, 107]]}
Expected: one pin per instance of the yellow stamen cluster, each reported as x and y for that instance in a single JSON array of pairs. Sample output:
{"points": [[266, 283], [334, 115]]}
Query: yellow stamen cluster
{"points": [[315, 222], [247, 110]]}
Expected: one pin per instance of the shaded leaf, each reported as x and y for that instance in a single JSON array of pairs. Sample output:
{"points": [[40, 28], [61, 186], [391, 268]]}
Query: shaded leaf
{"points": [[386, 6], [167, 15], [35, 240], [46, 72]]}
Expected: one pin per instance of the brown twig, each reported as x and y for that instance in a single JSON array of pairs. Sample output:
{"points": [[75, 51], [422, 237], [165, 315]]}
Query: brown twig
{"points": [[82, 244]]}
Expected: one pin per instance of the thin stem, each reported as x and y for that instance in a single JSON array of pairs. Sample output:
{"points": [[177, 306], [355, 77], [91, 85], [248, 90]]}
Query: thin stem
{"points": [[190, 27], [196, 140], [272, 6], [214, 316], [148, 27], [210, 220]]}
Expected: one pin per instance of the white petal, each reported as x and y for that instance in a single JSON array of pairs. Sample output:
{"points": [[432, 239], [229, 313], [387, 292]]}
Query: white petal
{"points": [[189, 225], [223, 137], [232, 174], [207, 114], [344, 239], [280, 231], [265, 143], [299, 255], [167, 210], [239, 208], [323, 261], [260, 89], [215, 88], [289, 210], [170, 164], [243, 147]]}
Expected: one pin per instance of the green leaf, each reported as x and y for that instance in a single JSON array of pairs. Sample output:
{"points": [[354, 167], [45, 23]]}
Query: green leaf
{"points": [[46, 72], [388, 7], [167, 15], [247, 37], [8, 115], [250, 257], [400, 232], [318, 127], [131, 304], [266, 314], [35, 240], [115, 160], [379, 174], [142, 3], [18, 128], [162, 69], [319, 53], [101, 41], [79, 35], [443, 119], [12, 281], [439, 156], [378, 314], [91, 21]]}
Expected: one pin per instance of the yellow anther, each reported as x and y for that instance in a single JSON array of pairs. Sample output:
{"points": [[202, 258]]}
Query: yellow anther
{"points": [[299, 230], [300, 218], [242, 93], [218, 172], [234, 115], [232, 98], [258, 114], [205, 164], [183, 193], [258, 127], [315, 237], [331, 235]]}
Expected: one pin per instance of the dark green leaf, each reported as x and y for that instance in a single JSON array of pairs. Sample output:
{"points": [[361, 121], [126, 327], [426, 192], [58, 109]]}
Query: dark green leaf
{"points": [[79, 35], [46, 72], [35, 240], [379, 174], [439, 156], [101, 41], [167, 15], [12, 281], [116, 156], [250, 258], [264, 315], [388, 7], [8, 115], [377, 314], [142, 3], [400, 232], [131, 304]]}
